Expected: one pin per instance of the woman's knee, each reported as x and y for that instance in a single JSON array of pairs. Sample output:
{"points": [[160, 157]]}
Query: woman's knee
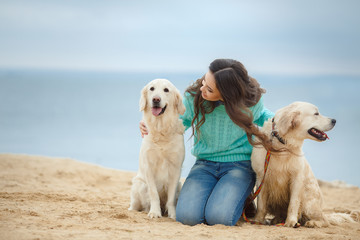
{"points": [[189, 217], [216, 216]]}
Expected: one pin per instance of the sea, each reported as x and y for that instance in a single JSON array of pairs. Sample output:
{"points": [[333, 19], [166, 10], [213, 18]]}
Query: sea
{"points": [[94, 117]]}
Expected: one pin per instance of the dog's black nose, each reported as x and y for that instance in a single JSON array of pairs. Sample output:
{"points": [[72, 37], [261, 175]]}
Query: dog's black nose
{"points": [[156, 99], [333, 121]]}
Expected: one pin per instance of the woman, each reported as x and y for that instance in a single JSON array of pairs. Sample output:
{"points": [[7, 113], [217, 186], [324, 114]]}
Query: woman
{"points": [[223, 109]]}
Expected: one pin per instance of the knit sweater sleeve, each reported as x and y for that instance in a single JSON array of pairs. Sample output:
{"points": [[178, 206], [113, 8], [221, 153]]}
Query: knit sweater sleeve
{"points": [[261, 114], [189, 110]]}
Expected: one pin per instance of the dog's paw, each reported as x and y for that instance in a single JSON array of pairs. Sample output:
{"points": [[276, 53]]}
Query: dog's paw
{"points": [[315, 224], [153, 214], [260, 217], [355, 215], [131, 208], [291, 222], [134, 207], [260, 220], [172, 213]]}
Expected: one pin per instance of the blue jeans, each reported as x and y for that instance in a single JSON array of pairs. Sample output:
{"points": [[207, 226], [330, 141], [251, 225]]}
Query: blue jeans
{"points": [[215, 193]]}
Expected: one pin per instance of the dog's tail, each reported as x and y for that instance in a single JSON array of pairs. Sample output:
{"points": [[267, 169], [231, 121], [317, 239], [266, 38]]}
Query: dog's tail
{"points": [[338, 218]]}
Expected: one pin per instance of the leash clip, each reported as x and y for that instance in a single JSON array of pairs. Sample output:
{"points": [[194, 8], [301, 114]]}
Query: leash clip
{"points": [[275, 133]]}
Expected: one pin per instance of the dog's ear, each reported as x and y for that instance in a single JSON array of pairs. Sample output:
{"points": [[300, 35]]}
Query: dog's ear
{"points": [[287, 119], [178, 103], [295, 119], [143, 99]]}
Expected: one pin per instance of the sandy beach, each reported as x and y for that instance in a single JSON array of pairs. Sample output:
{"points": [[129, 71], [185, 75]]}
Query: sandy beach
{"points": [[59, 198]]}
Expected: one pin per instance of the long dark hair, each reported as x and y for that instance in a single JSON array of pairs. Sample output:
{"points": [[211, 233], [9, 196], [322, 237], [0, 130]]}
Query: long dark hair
{"points": [[239, 91]]}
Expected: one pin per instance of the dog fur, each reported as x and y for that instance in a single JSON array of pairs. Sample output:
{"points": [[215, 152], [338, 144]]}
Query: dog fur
{"points": [[156, 186], [290, 191]]}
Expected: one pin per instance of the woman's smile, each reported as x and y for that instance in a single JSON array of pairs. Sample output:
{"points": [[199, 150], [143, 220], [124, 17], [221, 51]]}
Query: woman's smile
{"points": [[203, 95]]}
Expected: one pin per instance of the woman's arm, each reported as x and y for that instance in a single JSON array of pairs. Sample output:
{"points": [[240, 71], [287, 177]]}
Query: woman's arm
{"points": [[264, 116], [187, 117], [260, 113], [143, 129]]}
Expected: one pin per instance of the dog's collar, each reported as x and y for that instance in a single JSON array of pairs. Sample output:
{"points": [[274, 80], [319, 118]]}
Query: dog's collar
{"points": [[275, 133]]}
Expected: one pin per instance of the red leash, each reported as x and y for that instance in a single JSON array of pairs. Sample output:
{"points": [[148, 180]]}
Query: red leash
{"points": [[266, 164], [253, 196]]}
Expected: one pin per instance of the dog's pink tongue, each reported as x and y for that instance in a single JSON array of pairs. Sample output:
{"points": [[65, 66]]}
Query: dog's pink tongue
{"points": [[326, 136], [156, 111]]}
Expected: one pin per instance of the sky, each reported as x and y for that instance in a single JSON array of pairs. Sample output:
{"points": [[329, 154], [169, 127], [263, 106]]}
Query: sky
{"points": [[267, 36]]}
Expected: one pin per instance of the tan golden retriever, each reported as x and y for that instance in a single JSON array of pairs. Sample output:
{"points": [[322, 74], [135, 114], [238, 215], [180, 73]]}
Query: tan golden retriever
{"points": [[291, 192], [156, 186]]}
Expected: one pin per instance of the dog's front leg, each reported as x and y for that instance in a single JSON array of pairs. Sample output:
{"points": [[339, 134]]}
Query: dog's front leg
{"points": [[171, 194], [155, 210], [261, 207], [294, 205]]}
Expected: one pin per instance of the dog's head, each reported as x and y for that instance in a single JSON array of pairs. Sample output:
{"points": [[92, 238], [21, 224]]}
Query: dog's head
{"points": [[303, 121], [160, 96]]}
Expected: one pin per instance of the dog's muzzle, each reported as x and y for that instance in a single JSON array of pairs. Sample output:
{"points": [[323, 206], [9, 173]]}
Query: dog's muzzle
{"points": [[320, 135], [156, 109]]}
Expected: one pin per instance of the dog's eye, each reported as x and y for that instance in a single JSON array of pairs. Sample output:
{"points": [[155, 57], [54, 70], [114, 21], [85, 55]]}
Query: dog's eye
{"points": [[316, 113], [152, 89], [166, 90]]}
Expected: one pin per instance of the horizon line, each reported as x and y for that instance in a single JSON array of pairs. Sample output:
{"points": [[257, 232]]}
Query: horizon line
{"points": [[169, 71]]}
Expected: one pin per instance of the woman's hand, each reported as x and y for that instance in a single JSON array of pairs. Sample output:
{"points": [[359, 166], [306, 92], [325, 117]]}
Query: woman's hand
{"points": [[143, 129]]}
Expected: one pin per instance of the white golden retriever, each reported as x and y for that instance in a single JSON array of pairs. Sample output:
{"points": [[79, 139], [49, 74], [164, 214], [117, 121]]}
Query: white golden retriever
{"points": [[156, 186], [290, 191]]}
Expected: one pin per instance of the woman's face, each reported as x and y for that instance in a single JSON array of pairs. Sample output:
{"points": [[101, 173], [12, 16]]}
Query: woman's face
{"points": [[208, 90]]}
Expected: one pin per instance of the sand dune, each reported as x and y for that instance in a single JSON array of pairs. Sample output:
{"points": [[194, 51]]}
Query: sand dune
{"points": [[58, 198]]}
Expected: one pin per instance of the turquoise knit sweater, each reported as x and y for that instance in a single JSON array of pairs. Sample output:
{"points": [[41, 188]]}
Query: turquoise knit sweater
{"points": [[221, 140]]}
